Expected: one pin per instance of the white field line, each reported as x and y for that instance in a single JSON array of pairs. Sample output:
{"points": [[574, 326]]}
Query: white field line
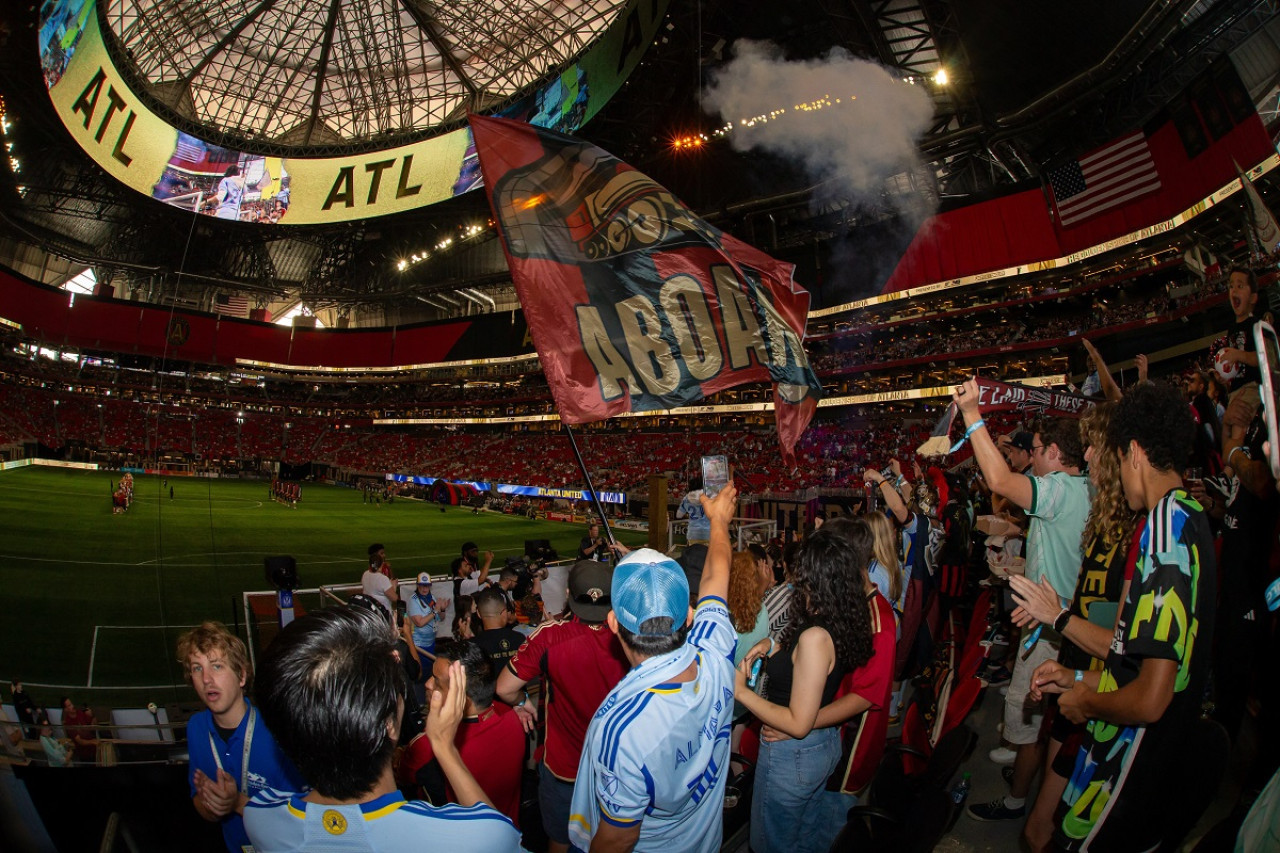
{"points": [[91, 687], [93, 651]]}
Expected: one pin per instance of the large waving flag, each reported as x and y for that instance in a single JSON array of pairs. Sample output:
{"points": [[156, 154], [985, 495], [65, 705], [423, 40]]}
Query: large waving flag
{"points": [[634, 303], [1262, 221]]}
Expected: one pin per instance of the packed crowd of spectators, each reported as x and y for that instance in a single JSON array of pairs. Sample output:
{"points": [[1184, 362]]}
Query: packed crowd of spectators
{"points": [[987, 331]]}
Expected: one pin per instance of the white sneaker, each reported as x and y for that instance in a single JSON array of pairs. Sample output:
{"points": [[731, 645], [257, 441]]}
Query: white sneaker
{"points": [[1002, 755]]}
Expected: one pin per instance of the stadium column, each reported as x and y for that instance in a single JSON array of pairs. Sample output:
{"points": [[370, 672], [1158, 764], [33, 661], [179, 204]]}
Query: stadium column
{"points": [[658, 513]]}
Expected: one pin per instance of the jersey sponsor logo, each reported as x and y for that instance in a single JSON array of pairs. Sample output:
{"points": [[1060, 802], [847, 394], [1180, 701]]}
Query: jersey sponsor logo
{"points": [[334, 823]]}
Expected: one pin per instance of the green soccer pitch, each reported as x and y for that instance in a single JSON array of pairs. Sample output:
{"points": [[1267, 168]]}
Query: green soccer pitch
{"points": [[94, 602]]}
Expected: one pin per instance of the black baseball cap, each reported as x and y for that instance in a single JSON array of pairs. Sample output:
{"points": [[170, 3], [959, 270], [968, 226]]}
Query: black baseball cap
{"points": [[1022, 440], [590, 583]]}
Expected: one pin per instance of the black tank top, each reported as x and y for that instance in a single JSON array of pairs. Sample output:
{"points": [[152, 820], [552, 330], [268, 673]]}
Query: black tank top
{"points": [[780, 670]]}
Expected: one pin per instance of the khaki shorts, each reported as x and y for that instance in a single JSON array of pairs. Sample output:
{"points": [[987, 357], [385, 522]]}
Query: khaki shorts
{"points": [[1242, 405], [1022, 716]]}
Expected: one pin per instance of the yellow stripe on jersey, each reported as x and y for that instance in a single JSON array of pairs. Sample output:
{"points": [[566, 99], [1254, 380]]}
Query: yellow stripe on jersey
{"points": [[384, 811]]}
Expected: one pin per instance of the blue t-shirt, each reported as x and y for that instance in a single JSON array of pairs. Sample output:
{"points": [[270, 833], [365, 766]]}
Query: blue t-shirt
{"points": [[662, 754], [278, 822], [424, 637], [699, 524], [268, 766]]}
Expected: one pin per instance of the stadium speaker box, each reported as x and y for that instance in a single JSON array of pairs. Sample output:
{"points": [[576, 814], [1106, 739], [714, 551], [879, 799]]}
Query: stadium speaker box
{"points": [[282, 572], [262, 315]]}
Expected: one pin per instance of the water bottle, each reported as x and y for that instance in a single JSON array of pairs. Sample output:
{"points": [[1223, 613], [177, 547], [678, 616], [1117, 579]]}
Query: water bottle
{"points": [[960, 792]]}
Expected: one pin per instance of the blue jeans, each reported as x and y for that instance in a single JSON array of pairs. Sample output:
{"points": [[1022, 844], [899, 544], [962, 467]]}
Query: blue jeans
{"points": [[787, 802]]}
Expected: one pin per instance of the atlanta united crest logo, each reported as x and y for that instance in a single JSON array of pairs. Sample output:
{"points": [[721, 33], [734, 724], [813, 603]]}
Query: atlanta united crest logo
{"points": [[179, 331]]}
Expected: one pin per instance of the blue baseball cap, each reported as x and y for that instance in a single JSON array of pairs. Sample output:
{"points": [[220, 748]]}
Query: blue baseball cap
{"points": [[646, 585]]}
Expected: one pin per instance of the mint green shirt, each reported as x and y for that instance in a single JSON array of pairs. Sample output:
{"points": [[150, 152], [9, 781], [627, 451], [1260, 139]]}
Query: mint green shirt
{"points": [[1059, 508]]}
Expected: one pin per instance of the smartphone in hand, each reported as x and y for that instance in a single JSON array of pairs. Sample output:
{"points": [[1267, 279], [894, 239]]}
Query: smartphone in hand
{"points": [[715, 474]]}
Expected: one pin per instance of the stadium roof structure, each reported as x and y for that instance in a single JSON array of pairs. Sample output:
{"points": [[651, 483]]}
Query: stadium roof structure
{"points": [[1028, 86], [302, 74]]}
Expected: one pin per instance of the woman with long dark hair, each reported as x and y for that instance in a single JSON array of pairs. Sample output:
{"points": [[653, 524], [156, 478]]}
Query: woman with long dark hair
{"points": [[825, 638]]}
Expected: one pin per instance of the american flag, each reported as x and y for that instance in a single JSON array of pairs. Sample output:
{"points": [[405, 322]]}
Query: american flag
{"points": [[235, 305], [1106, 178]]}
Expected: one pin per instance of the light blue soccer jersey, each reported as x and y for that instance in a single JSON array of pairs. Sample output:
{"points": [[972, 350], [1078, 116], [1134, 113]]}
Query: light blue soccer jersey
{"points": [[659, 755], [278, 822], [699, 525]]}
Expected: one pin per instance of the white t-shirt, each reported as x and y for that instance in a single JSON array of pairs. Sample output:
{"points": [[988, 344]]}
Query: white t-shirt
{"points": [[375, 585]]}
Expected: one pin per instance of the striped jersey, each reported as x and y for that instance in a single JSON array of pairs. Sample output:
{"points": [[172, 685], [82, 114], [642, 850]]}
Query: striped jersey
{"points": [[279, 822], [660, 755]]}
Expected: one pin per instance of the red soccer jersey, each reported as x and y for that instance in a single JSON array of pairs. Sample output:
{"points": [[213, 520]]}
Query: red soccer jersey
{"points": [[864, 735], [582, 663], [491, 747]]}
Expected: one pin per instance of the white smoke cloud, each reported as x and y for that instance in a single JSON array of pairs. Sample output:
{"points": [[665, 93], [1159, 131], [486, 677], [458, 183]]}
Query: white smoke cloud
{"points": [[865, 130]]}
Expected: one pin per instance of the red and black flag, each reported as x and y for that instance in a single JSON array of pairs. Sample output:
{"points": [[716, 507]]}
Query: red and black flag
{"points": [[634, 303]]}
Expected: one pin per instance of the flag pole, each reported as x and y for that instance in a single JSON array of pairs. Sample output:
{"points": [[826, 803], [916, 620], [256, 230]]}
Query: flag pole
{"points": [[591, 489]]}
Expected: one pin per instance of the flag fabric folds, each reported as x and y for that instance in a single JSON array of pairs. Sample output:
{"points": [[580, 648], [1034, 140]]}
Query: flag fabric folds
{"points": [[1262, 222], [996, 396], [231, 305], [1105, 178], [634, 303]]}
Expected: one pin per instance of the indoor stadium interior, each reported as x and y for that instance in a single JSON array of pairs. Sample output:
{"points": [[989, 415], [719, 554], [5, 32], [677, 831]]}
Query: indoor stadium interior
{"points": [[503, 287]]}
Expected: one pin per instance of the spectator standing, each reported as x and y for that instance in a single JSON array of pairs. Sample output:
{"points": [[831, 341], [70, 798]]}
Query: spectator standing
{"points": [[593, 545], [1111, 539], [1056, 499], [777, 601], [699, 532], [861, 707], [425, 611], [25, 709], [470, 572], [343, 660], [490, 738], [746, 610], [378, 560], [233, 754], [825, 640], [580, 660], [499, 641], [653, 764], [382, 589], [1242, 402], [1142, 708]]}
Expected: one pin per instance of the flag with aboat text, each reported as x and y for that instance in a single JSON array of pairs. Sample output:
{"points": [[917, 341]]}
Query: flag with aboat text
{"points": [[634, 303]]}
